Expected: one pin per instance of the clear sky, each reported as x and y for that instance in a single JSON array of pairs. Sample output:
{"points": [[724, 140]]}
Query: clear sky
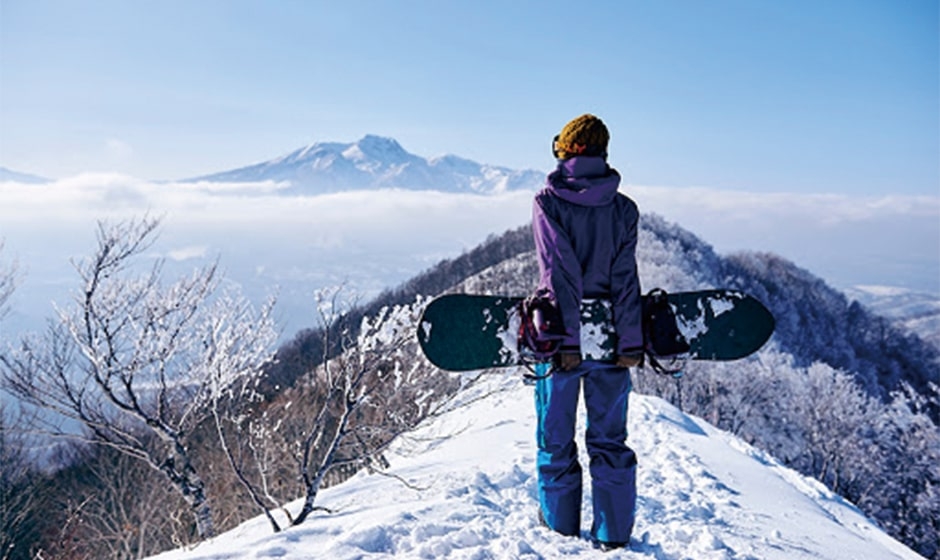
{"points": [[799, 96]]}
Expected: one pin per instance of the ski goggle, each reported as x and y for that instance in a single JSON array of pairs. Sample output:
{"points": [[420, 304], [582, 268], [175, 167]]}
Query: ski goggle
{"points": [[555, 146]]}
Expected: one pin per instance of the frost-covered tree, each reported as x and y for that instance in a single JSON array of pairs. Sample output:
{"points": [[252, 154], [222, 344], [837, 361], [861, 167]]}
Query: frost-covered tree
{"points": [[903, 492], [137, 362], [338, 418], [832, 413], [348, 425]]}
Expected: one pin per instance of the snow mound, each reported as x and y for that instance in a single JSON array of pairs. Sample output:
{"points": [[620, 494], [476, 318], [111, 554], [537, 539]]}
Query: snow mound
{"points": [[463, 486]]}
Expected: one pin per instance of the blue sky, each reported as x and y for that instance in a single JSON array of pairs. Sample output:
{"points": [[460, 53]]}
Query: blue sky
{"points": [[833, 96]]}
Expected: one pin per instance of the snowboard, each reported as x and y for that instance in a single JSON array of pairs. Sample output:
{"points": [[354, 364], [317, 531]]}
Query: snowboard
{"points": [[464, 332]]}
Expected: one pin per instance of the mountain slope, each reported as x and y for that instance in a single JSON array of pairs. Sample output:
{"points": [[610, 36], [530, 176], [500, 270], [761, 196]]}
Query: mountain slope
{"points": [[376, 162], [471, 493], [818, 323]]}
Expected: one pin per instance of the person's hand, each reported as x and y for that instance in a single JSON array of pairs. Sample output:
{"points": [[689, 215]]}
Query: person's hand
{"points": [[629, 360], [568, 361]]}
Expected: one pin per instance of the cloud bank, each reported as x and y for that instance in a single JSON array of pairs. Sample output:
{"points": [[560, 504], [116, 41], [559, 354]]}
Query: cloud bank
{"points": [[848, 240], [371, 240]]}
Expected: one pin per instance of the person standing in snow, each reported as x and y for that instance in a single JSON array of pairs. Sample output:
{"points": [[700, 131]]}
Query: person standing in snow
{"points": [[585, 235]]}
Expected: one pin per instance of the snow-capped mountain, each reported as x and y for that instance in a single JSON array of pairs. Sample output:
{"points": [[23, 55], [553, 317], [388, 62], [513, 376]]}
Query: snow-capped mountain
{"points": [[17, 177], [464, 487], [377, 162]]}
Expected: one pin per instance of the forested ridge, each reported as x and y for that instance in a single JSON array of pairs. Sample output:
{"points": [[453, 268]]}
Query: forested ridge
{"points": [[815, 322]]}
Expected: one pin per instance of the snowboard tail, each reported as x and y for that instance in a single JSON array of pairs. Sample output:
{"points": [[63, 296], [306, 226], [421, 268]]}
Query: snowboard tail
{"points": [[465, 332]]}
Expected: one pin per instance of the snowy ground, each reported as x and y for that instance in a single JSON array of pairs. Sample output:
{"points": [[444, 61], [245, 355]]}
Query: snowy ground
{"points": [[471, 494]]}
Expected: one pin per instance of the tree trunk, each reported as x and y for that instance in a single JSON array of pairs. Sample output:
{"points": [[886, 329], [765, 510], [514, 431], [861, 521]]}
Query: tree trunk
{"points": [[313, 486], [192, 488]]}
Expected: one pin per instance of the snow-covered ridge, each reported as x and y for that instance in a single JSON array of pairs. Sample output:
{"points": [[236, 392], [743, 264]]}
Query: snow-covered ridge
{"points": [[377, 162], [472, 493]]}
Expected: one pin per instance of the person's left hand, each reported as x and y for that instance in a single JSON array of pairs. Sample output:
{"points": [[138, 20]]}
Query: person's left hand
{"points": [[568, 361]]}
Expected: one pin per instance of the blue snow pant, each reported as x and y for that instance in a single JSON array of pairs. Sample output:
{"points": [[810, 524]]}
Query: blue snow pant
{"points": [[612, 463]]}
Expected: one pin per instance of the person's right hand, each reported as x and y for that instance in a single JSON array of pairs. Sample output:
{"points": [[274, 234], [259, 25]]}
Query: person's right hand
{"points": [[629, 360]]}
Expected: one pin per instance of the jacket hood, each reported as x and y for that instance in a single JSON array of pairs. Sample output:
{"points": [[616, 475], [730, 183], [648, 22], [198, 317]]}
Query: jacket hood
{"points": [[585, 181]]}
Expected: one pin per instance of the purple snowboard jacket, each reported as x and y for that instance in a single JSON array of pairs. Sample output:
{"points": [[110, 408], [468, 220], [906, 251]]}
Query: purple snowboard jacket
{"points": [[585, 239]]}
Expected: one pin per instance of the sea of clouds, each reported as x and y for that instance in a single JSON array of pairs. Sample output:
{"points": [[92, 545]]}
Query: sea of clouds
{"points": [[268, 242]]}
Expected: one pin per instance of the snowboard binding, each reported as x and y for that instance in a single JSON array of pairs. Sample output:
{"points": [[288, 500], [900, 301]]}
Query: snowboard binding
{"points": [[541, 331], [665, 349], [540, 334]]}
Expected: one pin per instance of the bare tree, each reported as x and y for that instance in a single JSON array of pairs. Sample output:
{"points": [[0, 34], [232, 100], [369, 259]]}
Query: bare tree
{"points": [[115, 507], [242, 433], [133, 356], [364, 397]]}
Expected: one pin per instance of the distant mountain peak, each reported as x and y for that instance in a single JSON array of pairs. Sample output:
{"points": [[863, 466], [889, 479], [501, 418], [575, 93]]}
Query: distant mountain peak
{"points": [[376, 162], [380, 144], [378, 150], [18, 177]]}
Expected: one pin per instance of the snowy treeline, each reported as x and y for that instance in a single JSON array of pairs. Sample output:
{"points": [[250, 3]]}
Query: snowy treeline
{"points": [[818, 323], [815, 323]]}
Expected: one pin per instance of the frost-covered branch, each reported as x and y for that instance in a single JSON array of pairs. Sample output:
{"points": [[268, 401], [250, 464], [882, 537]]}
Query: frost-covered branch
{"points": [[137, 361], [367, 395]]}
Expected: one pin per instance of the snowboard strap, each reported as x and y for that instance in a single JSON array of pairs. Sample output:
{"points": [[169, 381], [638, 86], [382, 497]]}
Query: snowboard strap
{"points": [[659, 324], [533, 377], [675, 368]]}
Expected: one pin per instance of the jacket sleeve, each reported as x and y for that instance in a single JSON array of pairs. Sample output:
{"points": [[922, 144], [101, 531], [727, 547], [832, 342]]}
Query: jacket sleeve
{"points": [[625, 287], [560, 272]]}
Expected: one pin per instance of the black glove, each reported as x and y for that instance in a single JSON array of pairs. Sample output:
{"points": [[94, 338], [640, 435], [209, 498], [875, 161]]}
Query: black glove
{"points": [[630, 360], [567, 361]]}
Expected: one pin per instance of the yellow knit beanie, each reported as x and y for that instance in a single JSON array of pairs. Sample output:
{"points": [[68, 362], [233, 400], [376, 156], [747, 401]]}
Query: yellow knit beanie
{"points": [[584, 136]]}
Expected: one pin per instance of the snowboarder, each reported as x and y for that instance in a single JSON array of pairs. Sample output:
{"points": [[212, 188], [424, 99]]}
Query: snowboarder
{"points": [[585, 235]]}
